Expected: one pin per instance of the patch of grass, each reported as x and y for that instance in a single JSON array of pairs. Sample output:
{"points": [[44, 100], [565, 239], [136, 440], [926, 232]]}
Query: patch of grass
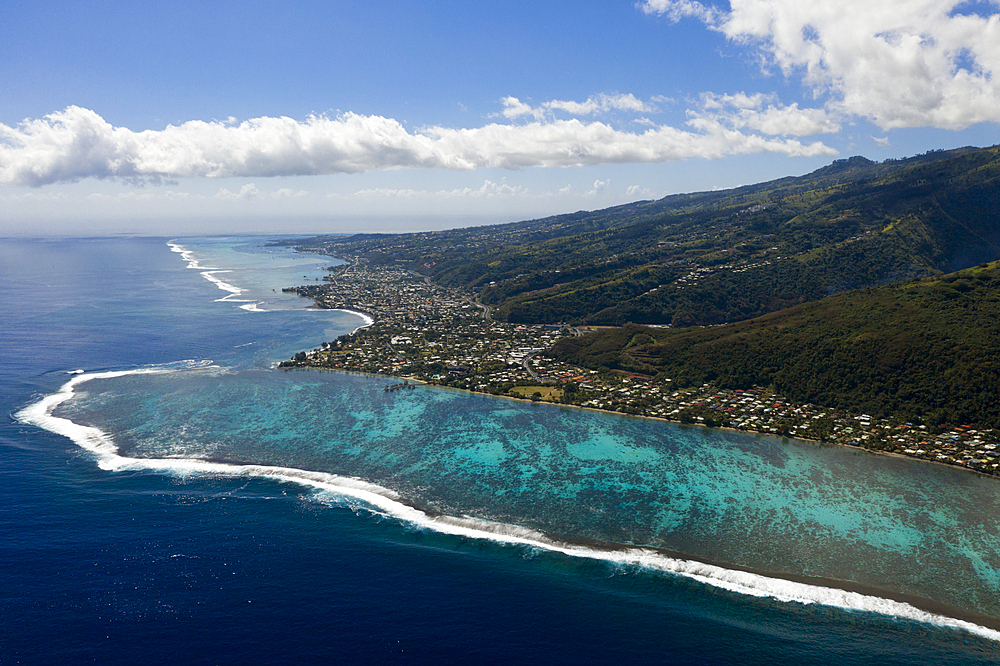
{"points": [[548, 393]]}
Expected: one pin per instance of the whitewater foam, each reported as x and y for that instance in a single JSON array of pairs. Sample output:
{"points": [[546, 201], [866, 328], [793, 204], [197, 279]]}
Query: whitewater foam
{"points": [[208, 273], [386, 502], [368, 321], [186, 254], [224, 286]]}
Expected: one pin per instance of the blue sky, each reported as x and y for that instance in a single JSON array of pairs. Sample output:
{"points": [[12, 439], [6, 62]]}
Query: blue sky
{"points": [[179, 117]]}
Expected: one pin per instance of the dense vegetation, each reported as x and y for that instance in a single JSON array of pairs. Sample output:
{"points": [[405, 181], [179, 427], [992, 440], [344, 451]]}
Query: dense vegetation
{"points": [[715, 257], [926, 350]]}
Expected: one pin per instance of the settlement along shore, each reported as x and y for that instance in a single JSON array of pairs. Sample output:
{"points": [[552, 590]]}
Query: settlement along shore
{"points": [[426, 332]]}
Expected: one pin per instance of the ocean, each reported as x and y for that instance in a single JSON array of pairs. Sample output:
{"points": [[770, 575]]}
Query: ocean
{"points": [[169, 496]]}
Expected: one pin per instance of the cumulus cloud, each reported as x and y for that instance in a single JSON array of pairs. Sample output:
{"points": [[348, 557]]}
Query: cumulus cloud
{"points": [[899, 63], [603, 103], [77, 143], [600, 104], [599, 185], [741, 111], [248, 191], [288, 193], [639, 191], [514, 108]]}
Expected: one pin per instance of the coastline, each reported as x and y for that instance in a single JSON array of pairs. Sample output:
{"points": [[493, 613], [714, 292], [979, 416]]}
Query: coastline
{"points": [[782, 586], [457, 338], [366, 318], [862, 449]]}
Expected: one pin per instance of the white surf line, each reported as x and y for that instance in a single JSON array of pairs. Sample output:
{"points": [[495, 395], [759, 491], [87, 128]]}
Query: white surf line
{"points": [[224, 286], [186, 255], [740, 582], [208, 273]]}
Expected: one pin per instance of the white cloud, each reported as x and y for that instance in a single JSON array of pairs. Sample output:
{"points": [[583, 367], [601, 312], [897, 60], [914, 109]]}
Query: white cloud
{"points": [[248, 191], [77, 143], [134, 195], [638, 191], [599, 185], [600, 104], [595, 104], [883, 142], [287, 193], [390, 193], [741, 111], [675, 10], [575, 143], [514, 108], [899, 63], [740, 100]]}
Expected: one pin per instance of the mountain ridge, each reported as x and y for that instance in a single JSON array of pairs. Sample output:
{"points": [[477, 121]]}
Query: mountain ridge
{"points": [[711, 257]]}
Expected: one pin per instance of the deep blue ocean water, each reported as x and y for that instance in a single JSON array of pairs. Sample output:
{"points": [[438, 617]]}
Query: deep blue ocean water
{"points": [[433, 525]]}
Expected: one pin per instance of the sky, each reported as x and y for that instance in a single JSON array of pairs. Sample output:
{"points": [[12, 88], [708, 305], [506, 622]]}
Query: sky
{"points": [[258, 116]]}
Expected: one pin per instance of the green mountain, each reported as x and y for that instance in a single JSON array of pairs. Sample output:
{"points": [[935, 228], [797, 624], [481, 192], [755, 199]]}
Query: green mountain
{"points": [[925, 350], [715, 257]]}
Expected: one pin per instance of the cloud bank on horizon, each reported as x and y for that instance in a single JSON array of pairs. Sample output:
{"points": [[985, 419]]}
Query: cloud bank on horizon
{"points": [[896, 64], [77, 143]]}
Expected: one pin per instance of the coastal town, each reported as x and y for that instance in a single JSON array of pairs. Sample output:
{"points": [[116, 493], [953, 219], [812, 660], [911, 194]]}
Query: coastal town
{"points": [[422, 332]]}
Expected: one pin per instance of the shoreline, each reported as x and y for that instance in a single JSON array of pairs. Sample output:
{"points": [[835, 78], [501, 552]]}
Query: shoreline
{"points": [[370, 320], [891, 454], [782, 586], [365, 317]]}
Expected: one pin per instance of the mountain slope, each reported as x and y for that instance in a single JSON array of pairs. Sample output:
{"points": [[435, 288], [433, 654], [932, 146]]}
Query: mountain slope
{"points": [[925, 350], [713, 257]]}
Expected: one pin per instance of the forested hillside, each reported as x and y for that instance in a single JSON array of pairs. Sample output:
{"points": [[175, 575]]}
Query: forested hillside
{"points": [[926, 350], [715, 257]]}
